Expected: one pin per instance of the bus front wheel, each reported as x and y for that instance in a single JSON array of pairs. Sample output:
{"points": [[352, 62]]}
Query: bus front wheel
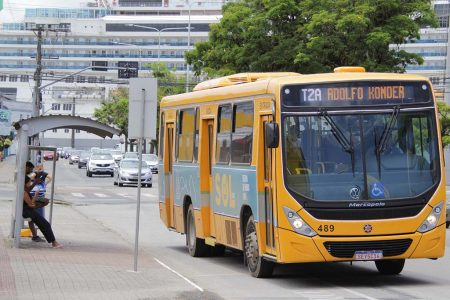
{"points": [[257, 265], [390, 267], [196, 246]]}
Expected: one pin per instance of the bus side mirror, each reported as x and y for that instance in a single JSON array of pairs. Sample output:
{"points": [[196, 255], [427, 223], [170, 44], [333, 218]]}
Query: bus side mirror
{"points": [[271, 135]]}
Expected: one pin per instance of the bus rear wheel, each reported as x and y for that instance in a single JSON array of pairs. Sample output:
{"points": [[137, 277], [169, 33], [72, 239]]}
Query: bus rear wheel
{"points": [[390, 267], [196, 246], [257, 265]]}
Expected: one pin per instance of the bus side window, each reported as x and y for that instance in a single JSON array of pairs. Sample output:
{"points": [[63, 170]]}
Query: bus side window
{"points": [[161, 138], [196, 134], [242, 136], [223, 142], [186, 135]]}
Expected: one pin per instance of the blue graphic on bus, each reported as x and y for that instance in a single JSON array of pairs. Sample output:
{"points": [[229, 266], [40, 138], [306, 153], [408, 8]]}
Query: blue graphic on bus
{"points": [[377, 190]]}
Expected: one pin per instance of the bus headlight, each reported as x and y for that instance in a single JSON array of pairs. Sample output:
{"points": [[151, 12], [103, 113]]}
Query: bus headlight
{"points": [[297, 223], [432, 220]]}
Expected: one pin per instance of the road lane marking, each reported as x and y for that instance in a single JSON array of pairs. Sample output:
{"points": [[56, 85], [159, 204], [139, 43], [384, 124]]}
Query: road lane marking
{"points": [[79, 195], [149, 195], [319, 295], [178, 274], [126, 195], [358, 293], [100, 195]]}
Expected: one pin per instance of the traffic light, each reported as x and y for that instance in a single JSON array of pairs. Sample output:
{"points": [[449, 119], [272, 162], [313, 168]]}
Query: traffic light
{"points": [[128, 69]]}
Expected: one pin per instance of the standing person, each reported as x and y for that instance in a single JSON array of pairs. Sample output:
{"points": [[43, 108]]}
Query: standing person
{"points": [[29, 212], [39, 157]]}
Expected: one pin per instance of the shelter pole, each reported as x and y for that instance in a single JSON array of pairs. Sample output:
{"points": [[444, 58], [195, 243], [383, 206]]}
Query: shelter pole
{"points": [[53, 187], [20, 183], [138, 206]]}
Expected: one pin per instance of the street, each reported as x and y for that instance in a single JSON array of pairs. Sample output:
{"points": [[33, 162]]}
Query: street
{"points": [[226, 277]]}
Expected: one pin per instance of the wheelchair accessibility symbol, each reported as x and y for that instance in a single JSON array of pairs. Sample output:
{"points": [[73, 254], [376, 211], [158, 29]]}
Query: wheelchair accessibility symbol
{"points": [[377, 190]]}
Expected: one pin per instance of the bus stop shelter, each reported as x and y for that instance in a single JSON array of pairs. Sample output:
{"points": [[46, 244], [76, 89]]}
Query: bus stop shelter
{"points": [[30, 127]]}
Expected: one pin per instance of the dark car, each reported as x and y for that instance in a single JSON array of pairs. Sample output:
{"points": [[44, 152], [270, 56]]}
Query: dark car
{"points": [[83, 159]]}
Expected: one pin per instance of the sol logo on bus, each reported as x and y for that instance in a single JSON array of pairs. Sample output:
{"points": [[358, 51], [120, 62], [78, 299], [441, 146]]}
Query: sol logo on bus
{"points": [[223, 193]]}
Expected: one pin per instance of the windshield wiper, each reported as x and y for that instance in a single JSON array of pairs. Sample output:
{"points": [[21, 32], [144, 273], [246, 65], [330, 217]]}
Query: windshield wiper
{"points": [[346, 144], [381, 144]]}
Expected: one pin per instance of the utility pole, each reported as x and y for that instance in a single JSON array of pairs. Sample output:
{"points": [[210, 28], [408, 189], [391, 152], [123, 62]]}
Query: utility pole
{"points": [[72, 142], [37, 74]]}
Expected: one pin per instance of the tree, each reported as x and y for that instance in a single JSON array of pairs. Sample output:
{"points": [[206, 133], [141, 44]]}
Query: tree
{"points": [[444, 116], [311, 36], [115, 110]]}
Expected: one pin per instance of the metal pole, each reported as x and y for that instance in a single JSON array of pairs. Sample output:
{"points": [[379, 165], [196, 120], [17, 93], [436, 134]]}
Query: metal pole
{"points": [[72, 141], [37, 74], [188, 46], [138, 206], [159, 45], [20, 183], [53, 187]]}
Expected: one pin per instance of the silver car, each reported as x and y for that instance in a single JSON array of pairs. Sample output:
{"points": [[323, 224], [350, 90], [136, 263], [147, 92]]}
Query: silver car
{"points": [[447, 224], [127, 173]]}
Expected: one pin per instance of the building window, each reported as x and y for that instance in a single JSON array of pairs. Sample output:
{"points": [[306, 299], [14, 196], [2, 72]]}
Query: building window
{"points": [[81, 79], [2, 77], [67, 106], [24, 78], [69, 79], [13, 78], [55, 130], [56, 106], [77, 130], [92, 79], [66, 130]]}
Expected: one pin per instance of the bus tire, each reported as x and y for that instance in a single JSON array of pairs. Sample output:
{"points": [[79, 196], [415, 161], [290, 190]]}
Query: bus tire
{"points": [[390, 267], [257, 265], [196, 246], [447, 224]]}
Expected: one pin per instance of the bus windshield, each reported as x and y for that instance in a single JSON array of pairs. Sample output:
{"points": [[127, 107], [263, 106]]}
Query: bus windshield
{"points": [[376, 156]]}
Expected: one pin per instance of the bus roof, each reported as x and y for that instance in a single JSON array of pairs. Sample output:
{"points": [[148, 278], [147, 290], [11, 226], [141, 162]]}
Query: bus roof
{"points": [[267, 84]]}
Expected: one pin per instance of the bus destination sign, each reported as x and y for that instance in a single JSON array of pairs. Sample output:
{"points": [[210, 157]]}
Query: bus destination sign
{"points": [[356, 93]]}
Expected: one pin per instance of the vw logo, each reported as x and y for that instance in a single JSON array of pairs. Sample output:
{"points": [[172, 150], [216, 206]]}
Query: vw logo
{"points": [[355, 192], [367, 228]]}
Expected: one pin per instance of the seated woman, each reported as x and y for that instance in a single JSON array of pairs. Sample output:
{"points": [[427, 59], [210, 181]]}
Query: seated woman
{"points": [[29, 212]]}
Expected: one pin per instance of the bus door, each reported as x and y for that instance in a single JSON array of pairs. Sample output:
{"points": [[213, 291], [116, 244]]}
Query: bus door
{"points": [[268, 178], [168, 167], [206, 180]]}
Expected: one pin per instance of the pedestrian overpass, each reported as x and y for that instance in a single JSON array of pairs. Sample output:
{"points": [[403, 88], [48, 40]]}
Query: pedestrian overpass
{"points": [[31, 127]]}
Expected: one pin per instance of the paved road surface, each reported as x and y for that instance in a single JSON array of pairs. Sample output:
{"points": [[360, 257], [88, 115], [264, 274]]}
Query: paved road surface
{"points": [[226, 277]]}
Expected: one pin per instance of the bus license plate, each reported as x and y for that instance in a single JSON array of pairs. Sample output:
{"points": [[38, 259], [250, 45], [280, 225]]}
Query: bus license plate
{"points": [[368, 255]]}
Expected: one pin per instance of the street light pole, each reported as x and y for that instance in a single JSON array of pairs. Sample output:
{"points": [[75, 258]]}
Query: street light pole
{"points": [[72, 141], [159, 33], [188, 46]]}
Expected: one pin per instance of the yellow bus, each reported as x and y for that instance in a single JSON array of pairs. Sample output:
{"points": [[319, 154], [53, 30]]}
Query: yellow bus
{"points": [[291, 168]]}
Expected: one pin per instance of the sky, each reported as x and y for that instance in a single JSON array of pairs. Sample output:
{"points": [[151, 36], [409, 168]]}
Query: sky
{"points": [[13, 10]]}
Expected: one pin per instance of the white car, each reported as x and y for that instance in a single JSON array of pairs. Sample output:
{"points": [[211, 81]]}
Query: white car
{"points": [[152, 162], [117, 155], [100, 163]]}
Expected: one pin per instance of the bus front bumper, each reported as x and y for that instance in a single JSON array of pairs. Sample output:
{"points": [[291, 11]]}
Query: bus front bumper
{"points": [[296, 248]]}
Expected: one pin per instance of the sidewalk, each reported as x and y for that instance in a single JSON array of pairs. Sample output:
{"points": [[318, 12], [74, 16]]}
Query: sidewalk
{"points": [[7, 168], [94, 263]]}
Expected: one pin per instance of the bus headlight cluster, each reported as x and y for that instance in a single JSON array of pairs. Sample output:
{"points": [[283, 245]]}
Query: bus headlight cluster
{"points": [[297, 223], [433, 218]]}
